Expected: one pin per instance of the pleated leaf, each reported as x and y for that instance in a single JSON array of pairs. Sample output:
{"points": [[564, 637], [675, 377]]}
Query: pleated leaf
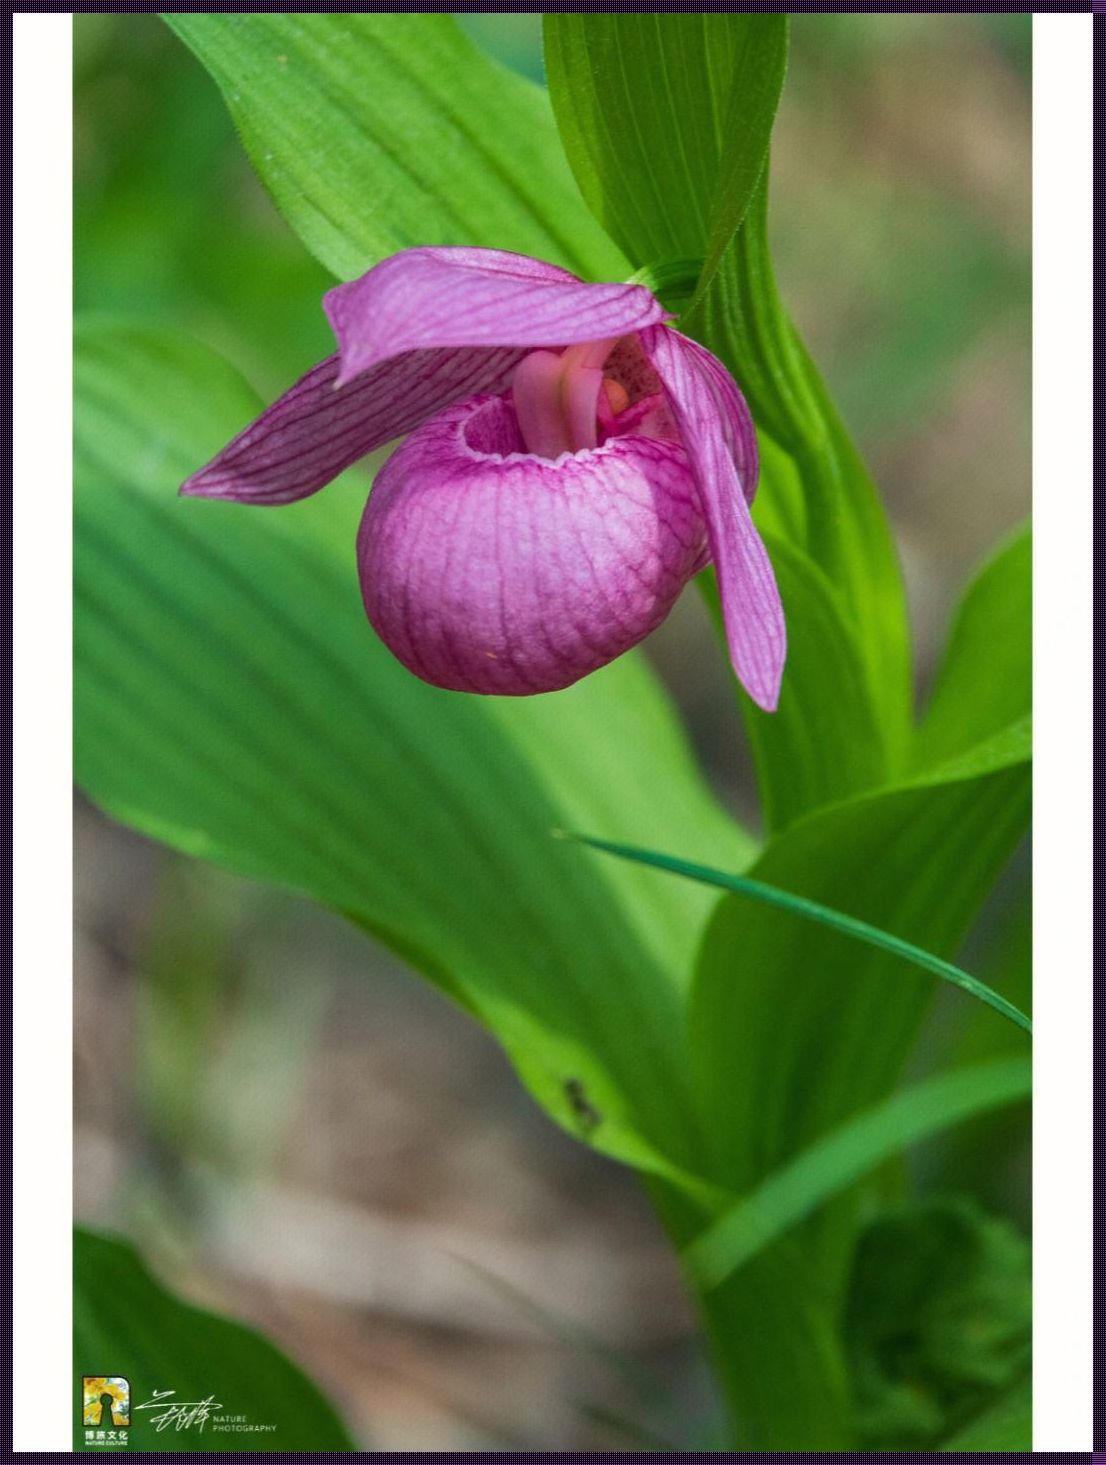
{"points": [[666, 121], [376, 132]]}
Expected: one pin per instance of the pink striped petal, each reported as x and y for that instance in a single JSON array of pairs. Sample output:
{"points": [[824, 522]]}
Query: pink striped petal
{"points": [[486, 569], [475, 297], [718, 434], [317, 428]]}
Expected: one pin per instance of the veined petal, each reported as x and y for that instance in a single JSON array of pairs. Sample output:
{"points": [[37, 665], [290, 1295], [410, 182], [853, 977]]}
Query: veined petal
{"points": [[425, 298], [718, 434], [317, 428], [487, 569]]}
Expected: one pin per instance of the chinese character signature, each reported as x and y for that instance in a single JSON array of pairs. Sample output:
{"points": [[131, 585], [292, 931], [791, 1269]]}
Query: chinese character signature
{"points": [[179, 1415]]}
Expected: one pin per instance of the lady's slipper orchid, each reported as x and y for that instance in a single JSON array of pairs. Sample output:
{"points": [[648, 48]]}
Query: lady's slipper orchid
{"points": [[572, 462]]}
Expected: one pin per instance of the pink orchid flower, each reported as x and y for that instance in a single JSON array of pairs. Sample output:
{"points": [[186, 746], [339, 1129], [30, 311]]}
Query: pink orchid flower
{"points": [[571, 462]]}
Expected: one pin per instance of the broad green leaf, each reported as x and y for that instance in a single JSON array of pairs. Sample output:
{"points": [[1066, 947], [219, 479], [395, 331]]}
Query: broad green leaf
{"points": [[654, 112], [811, 910], [796, 1028], [125, 1324], [776, 1343], [649, 107], [846, 1154], [377, 132], [984, 682], [1004, 749], [1007, 1426], [676, 181], [233, 702]]}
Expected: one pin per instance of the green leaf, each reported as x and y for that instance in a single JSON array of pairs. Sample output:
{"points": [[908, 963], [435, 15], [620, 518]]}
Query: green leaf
{"points": [[784, 1378], [125, 1324], [846, 1154], [1004, 749], [676, 181], [777, 1346], [233, 702], [810, 910], [742, 317], [374, 133], [754, 96], [915, 861], [984, 682]]}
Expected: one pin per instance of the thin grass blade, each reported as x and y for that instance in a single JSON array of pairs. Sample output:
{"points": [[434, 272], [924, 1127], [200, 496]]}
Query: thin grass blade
{"points": [[811, 910]]}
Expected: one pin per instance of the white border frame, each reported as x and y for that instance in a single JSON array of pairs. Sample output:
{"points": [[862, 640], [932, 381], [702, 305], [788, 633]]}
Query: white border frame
{"points": [[42, 1190], [1063, 711], [42, 715]]}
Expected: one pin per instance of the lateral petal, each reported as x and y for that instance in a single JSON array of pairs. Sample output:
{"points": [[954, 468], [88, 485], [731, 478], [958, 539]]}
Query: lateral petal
{"points": [[720, 441], [318, 428]]}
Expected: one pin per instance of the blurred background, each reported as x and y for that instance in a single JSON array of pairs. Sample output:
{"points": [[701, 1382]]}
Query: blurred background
{"points": [[294, 1129]]}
